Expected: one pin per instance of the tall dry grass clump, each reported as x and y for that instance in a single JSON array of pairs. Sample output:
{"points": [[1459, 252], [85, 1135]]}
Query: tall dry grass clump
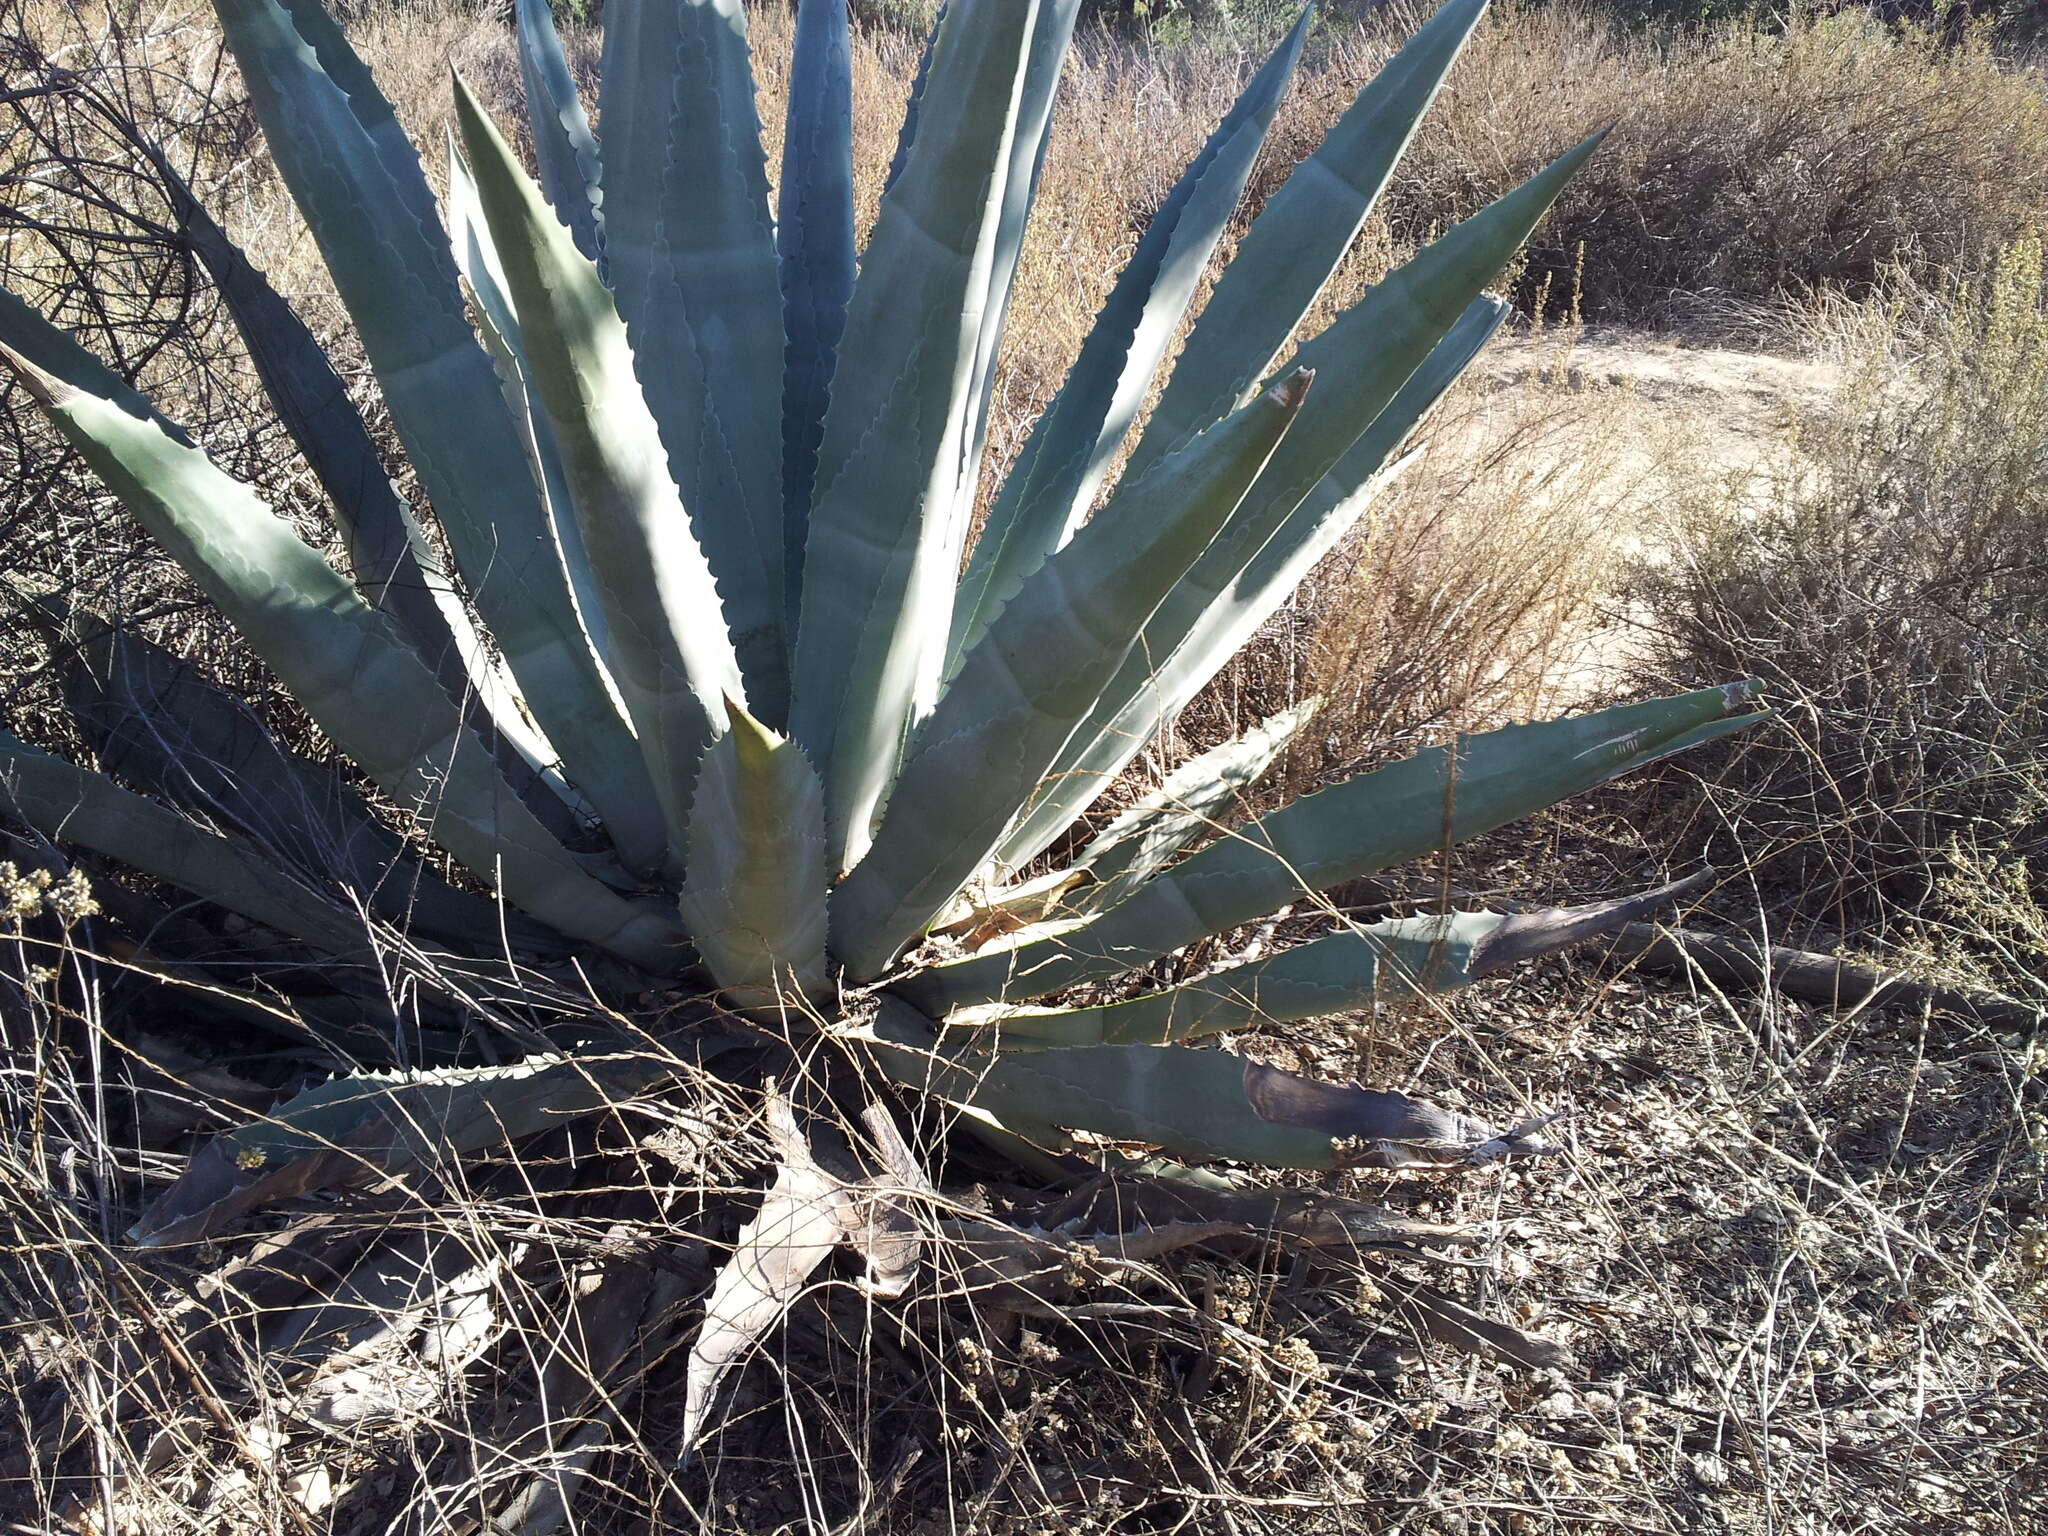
{"points": [[1888, 581], [1746, 159], [1475, 598]]}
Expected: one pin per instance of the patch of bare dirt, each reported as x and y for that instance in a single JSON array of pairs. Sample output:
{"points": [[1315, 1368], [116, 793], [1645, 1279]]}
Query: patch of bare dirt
{"points": [[1741, 398]]}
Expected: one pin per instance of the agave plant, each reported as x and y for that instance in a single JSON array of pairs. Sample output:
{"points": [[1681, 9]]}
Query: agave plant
{"points": [[754, 719]]}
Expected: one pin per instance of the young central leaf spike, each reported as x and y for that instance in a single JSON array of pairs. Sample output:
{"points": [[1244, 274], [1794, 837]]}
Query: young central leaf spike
{"points": [[754, 897]]}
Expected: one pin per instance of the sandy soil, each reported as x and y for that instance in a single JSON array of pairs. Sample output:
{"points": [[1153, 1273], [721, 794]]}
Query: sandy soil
{"points": [[1742, 398]]}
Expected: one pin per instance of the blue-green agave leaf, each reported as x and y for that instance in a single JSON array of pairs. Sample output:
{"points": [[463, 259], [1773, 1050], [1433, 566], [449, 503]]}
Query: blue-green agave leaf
{"points": [[388, 554], [671, 656], [1053, 483], [906, 131], [1202, 1105], [1050, 40], [1189, 803], [1301, 235], [1372, 822], [69, 804], [1222, 608], [1208, 1105], [483, 274], [362, 684], [1386, 359], [814, 240], [1035, 673], [355, 177], [1351, 968], [690, 247], [566, 149], [379, 1125], [754, 898], [155, 723], [881, 560]]}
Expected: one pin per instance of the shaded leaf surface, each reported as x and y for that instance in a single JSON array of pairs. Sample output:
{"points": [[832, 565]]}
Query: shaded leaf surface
{"points": [[887, 519], [340, 150], [354, 1130]]}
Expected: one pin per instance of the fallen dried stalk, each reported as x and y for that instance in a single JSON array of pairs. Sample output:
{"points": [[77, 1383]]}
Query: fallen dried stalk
{"points": [[1730, 961]]}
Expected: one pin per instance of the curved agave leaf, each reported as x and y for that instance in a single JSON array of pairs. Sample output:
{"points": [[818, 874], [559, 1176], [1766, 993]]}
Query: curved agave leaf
{"points": [[1366, 824], [387, 553], [754, 898], [1365, 358], [377, 1125], [1370, 359], [156, 723], [363, 685], [814, 241], [391, 560], [70, 804], [358, 182], [1351, 968], [1300, 236], [691, 253], [671, 656], [1053, 483], [45, 347], [1035, 674], [312, 402], [1187, 803], [885, 523], [483, 274], [1051, 37], [1190, 1103], [563, 144], [1223, 605]]}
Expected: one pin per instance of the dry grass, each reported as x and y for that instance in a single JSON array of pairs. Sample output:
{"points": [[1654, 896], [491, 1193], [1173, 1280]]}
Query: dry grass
{"points": [[1885, 578], [1744, 162], [1796, 1257]]}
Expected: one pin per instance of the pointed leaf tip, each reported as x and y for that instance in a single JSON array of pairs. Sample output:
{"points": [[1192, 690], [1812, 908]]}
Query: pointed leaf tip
{"points": [[1282, 1098], [753, 740], [46, 389], [1582, 151]]}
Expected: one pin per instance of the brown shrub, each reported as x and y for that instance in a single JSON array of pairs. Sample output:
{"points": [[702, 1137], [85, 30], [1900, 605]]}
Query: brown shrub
{"points": [[1887, 582], [1744, 162]]}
